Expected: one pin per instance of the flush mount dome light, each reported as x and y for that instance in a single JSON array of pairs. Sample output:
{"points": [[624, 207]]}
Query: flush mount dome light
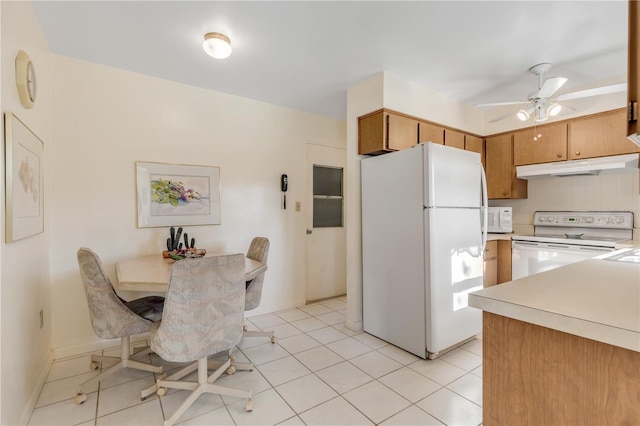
{"points": [[217, 45]]}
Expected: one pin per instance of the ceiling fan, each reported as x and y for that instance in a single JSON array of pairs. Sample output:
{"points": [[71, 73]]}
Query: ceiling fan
{"points": [[540, 105]]}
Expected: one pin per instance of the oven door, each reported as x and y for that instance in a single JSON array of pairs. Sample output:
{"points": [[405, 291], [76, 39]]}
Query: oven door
{"points": [[528, 258]]}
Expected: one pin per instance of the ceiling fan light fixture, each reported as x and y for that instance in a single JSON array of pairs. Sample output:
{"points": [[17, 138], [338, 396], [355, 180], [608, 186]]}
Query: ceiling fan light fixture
{"points": [[522, 115], [525, 113], [554, 109], [217, 45]]}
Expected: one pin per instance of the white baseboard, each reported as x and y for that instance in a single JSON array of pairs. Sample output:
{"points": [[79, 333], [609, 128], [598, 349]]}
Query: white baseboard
{"points": [[33, 399], [353, 325], [261, 310]]}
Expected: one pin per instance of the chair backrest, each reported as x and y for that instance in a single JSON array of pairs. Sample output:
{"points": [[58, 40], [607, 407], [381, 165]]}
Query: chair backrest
{"points": [[110, 318], [203, 308], [258, 250]]}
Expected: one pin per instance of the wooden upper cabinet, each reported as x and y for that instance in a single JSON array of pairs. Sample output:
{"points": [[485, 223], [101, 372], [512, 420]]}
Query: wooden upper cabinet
{"points": [[549, 147], [384, 131], [475, 144], [600, 135], [633, 74], [429, 132], [454, 138], [501, 173]]}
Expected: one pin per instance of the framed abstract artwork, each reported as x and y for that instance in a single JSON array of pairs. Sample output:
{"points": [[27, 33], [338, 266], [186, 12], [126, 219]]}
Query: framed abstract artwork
{"points": [[177, 195], [24, 182]]}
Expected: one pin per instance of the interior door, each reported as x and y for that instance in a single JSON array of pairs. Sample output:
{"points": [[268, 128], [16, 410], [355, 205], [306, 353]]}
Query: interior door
{"points": [[326, 236]]}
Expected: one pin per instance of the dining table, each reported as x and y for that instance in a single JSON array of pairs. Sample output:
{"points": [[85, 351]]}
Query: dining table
{"points": [[151, 273]]}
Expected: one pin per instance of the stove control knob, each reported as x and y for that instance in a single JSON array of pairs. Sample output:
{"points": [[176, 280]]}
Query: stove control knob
{"points": [[608, 219], [588, 219], [542, 219], [619, 219], [550, 218]]}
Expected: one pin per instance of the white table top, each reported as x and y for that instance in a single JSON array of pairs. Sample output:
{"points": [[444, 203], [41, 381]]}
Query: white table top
{"points": [[596, 299], [151, 273]]}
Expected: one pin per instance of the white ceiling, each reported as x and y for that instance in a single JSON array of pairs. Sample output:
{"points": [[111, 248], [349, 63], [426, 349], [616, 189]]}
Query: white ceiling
{"points": [[306, 54]]}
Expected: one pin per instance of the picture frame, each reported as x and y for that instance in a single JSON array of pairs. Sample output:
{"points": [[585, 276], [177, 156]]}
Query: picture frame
{"points": [[177, 194], [24, 180]]}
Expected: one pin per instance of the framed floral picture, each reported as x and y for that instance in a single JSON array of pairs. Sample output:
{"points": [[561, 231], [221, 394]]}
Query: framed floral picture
{"points": [[177, 195], [24, 180]]}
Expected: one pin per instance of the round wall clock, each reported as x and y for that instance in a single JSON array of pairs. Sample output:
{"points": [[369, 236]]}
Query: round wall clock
{"points": [[25, 80]]}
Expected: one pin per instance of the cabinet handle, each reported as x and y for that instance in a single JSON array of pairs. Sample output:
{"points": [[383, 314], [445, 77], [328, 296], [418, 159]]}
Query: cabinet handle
{"points": [[577, 152], [505, 193], [559, 155]]}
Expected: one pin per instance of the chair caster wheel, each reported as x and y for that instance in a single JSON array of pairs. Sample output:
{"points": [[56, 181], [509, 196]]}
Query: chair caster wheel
{"points": [[244, 328], [162, 376], [274, 339], [94, 365], [250, 405], [80, 398], [161, 391], [232, 358], [231, 370]]}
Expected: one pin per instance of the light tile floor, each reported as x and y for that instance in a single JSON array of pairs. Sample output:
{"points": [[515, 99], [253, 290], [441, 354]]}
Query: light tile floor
{"points": [[318, 373]]}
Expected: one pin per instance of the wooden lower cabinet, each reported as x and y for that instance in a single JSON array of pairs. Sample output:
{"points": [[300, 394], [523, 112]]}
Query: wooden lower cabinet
{"points": [[490, 267], [497, 262], [504, 261], [532, 375], [600, 135]]}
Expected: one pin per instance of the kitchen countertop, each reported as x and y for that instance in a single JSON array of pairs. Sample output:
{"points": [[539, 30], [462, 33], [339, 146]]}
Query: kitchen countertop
{"points": [[597, 299], [494, 237]]}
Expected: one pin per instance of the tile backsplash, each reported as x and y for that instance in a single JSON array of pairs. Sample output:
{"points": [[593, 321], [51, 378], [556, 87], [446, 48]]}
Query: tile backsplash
{"points": [[607, 191]]}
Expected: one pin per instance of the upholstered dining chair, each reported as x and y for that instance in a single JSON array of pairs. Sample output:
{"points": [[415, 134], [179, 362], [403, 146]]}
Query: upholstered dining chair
{"points": [[258, 250], [113, 317], [202, 316]]}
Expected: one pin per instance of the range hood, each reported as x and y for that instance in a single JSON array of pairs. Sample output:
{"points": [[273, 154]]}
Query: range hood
{"points": [[588, 166]]}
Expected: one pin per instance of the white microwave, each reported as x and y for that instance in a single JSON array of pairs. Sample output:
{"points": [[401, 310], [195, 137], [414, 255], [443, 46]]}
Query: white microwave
{"points": [[499, 220]]}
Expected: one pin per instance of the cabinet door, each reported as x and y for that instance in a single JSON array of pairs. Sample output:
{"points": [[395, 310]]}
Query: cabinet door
{"points": [[453, 138], [371, 133], [633, 76], [402, 131], [430, 133], [550, 146], [490, 267], [475, 144], [501, 181], [600, 135]]}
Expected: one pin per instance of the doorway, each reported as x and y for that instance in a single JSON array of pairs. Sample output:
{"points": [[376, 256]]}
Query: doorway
{"points": [[326, 237]]}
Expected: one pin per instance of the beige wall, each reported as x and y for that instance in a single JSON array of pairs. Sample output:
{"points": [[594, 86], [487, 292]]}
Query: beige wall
{"points": [[96, 122], [106, 119], [24, 277]]}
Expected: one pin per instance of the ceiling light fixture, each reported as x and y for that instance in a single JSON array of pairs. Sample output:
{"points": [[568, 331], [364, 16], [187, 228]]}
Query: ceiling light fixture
{"points": [[541, 114], [217, 45], [524, 114], [554, 109]]}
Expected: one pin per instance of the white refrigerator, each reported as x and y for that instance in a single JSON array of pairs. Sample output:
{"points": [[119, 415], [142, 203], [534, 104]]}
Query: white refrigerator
{"points": [[422, 246]]}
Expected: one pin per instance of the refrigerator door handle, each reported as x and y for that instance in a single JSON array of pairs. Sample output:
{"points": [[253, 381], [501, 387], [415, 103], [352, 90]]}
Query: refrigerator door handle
{"points": [[484, 206]]}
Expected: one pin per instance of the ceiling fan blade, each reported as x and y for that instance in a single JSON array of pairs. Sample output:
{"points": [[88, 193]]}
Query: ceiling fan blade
{"points": [[550, 86], [502, 117], [603, 90], [495, 104]]}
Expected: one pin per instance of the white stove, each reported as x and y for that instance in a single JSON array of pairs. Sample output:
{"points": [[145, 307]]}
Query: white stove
{"points": [[561, 238]]}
